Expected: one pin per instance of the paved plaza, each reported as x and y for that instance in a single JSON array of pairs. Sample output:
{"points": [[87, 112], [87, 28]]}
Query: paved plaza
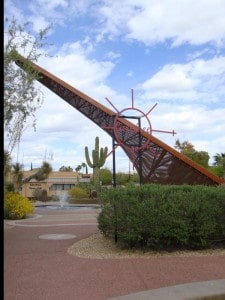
{"points": [[37, 265]]}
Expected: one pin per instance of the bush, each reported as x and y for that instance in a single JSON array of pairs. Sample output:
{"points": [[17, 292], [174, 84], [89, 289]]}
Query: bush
{"points": [[37, 194], [16, 206], [78, 193], [9, 187], [163, 217]]}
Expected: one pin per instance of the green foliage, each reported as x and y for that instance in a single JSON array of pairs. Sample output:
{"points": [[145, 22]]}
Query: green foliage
{"points": [[65, 169], [16, 206], [8, 187], [7, 163], [87, 186], [217, 170], [163, 217], [98, 156], [78, 168], [220, 163], [123, 178], [37, 193], [219, 159], [78, 193], [21, 96], [17, 176], [186, 148], [200, 157], [41, 174], [105, 176]]}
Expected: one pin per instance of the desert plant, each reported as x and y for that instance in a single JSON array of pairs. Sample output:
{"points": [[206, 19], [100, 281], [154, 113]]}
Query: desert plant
{"points": [[17, 175], [98, 160], [16, 206], [41, 174], [78, 193], [37, 194]]}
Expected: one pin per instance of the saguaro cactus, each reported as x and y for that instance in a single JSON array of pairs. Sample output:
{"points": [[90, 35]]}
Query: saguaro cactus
{"points": [[98, 160]]}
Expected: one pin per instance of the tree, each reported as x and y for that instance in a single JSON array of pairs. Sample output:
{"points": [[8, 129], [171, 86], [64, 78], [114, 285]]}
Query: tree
{"points": [[78, 168], [122, 178], [200, 157], [187, 149], [105, 176], [8, 186], [21, 96], [98, 160], [65, 169], [7, 163], [219, 160], [41, 174], [217, 170], [84, 166], [17, 176], [219, 163]]}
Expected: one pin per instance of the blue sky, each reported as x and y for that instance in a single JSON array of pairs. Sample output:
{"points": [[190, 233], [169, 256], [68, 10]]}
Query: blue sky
{"points": [[169, 52]]}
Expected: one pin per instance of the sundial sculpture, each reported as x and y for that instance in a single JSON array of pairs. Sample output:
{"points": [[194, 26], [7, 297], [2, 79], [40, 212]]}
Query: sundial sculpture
{"points": [[129, 134], [158, 162]]}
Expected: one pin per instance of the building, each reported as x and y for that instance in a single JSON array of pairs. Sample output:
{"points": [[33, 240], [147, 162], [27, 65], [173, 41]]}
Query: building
{"points": [[56, 182]]}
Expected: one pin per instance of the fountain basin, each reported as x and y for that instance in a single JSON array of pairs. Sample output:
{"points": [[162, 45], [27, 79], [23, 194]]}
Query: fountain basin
{"points": [[67, 206]]}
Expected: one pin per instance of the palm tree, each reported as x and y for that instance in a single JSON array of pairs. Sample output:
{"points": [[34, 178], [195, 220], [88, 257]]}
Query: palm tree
{"points": [[219, 160], [83, 165], [41, 174], [78, 168]]}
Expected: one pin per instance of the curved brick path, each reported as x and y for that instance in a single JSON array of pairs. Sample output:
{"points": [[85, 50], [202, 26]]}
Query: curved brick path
{"points": [[41, 269]]}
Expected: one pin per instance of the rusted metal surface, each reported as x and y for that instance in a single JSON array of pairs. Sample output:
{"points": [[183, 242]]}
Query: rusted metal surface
{"points": [[159, 162]]}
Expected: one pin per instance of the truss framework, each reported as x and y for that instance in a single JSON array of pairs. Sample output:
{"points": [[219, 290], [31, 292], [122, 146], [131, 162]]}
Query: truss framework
{"points": [[159, 162]]}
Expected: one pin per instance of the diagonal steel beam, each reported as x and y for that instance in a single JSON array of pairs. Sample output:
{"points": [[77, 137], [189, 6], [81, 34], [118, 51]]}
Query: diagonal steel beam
{"points": [[160, 163]]}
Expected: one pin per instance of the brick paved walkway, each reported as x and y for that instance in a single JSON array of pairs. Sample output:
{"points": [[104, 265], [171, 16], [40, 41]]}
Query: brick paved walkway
{"points": [[37, 265]]}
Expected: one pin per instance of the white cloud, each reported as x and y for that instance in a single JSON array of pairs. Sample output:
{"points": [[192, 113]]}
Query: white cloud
{"points": [[39, 23], [112, 55], [193, 22], [75, 68], [191, 95], [150, 22], [196, 80], [202, 126]]}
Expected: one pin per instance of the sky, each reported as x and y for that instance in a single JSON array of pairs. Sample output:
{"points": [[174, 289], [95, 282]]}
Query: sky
{"points": [[170, 53]]}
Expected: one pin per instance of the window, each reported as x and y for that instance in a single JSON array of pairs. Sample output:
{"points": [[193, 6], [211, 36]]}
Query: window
{"points": [[60, 187]]}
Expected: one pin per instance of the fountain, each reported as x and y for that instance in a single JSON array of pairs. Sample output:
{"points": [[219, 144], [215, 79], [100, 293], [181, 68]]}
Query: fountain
{"points": [[62, 196], [63, 203]]}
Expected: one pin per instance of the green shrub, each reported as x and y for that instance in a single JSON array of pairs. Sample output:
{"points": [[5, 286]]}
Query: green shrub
{"points": [[37, 194], [16, 206], [78, 193], [163, 217], [9, 187]]}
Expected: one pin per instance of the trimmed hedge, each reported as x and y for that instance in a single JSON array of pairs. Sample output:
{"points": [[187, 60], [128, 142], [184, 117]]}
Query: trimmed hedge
{"points": [[163, 216]]}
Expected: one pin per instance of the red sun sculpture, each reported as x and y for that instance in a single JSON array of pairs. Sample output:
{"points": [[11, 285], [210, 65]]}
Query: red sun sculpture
{"points": [[128, 141], [155, 161]]}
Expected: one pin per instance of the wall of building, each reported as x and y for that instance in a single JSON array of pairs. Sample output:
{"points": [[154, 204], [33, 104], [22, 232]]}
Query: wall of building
{"points": [[56, 182]]}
